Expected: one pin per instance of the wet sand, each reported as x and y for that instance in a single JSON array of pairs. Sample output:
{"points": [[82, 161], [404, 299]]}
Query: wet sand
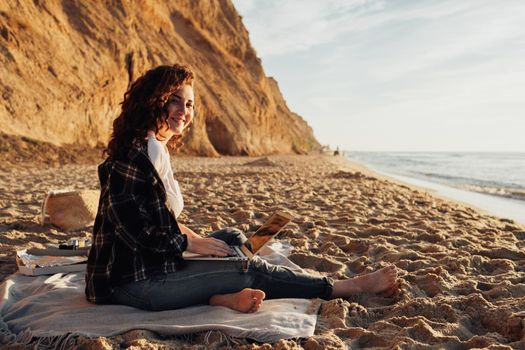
{"points": [[499, 205], [462, 271]]}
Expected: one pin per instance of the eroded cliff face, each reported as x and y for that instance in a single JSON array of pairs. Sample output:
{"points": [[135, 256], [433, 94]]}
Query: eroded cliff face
{"points": [[65, 66]]}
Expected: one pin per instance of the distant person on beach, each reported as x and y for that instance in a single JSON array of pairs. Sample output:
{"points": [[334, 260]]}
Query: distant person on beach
{"points": [[136, 256]]}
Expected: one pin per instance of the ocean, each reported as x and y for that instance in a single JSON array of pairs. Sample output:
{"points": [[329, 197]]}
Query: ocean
{"points": [[494, 182]]}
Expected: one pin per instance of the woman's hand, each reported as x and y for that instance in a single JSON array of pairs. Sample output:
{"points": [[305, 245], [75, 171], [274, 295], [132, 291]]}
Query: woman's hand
{"points": [[208, 246]]}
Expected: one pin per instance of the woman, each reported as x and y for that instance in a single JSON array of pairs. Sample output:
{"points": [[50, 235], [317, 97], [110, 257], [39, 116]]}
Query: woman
{"points": [[136, 256]]}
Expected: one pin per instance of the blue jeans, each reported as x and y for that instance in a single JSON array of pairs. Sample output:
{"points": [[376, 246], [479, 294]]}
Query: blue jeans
{"points": [[200, 280]]}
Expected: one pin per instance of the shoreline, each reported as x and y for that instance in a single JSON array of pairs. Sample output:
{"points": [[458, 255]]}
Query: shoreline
{"points": [[502, 207]]}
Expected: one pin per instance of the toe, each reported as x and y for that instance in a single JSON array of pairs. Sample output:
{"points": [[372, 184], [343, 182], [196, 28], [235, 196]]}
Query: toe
{"points": [[259, 294]]}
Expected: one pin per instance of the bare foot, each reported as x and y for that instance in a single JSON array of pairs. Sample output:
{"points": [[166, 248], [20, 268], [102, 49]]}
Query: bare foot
{"points": [[247, 300], [374, 282]]}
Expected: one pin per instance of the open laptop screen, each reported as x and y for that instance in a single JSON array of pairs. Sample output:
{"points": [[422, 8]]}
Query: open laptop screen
{"points": [[268, 230]]}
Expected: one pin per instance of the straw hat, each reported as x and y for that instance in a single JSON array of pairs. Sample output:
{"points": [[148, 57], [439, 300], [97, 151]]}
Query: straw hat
{"points": [[70, 209]]}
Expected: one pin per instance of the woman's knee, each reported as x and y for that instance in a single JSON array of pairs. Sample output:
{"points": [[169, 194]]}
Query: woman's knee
{"points": [[230, 235]]}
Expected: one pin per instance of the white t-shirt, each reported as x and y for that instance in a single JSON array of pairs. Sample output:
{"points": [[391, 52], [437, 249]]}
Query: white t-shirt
{"points": [[160, 158]]}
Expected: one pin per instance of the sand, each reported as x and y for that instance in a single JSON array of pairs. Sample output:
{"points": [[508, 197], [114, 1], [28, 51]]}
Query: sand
{"points": [[462, 272]]}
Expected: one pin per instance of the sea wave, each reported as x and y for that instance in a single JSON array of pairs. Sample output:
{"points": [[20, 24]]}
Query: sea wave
{"points": [[451, 178], [470, 181], [496, 191], [497, 174]]}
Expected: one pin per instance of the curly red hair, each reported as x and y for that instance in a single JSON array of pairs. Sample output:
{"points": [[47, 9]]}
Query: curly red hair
{"points": [[143, 108]]}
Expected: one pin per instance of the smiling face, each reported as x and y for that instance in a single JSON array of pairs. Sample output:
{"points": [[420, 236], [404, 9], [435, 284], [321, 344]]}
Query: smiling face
{"points": [[179, 109]]}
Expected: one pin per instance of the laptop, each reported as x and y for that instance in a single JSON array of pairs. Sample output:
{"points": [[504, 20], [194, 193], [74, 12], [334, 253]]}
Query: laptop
{"points": [[259, 239]]}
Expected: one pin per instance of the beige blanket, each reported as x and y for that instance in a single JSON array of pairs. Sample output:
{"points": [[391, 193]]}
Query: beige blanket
{"points": [[48, 306]]}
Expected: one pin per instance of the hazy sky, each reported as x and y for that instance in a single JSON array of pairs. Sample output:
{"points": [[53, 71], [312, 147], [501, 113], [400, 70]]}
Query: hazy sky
{"points": [[398, 75]]}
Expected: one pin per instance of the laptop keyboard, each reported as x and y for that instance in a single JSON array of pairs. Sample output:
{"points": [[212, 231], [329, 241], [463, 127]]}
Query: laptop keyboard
{"points": [[235, 251]]}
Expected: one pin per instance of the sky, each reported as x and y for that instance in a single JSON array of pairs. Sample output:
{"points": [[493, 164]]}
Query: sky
{"points": [[370, 75]]}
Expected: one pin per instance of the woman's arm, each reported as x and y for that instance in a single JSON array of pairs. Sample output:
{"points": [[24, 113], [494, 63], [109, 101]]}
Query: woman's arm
{"points": [[138, 223], [188, 231]]}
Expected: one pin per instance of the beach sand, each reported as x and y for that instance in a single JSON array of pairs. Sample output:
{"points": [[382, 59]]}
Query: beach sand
{"points": [[462, 272]]}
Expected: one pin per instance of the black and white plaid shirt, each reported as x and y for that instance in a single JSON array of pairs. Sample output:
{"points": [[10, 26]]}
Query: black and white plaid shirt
{"points": [[135, 235]]}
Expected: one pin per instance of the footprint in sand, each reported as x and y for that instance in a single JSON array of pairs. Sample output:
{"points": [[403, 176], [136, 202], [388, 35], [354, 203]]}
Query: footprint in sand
{"points": [[316, 263], [498, 266], [502, 253], [358, 265], [430, 309], [331, 249], [431, 284], [497, 293], [334, 312], [339, 240]]}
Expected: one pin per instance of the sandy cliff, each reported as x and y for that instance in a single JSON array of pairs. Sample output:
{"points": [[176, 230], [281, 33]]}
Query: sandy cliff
{"points": [[65, 66]]}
